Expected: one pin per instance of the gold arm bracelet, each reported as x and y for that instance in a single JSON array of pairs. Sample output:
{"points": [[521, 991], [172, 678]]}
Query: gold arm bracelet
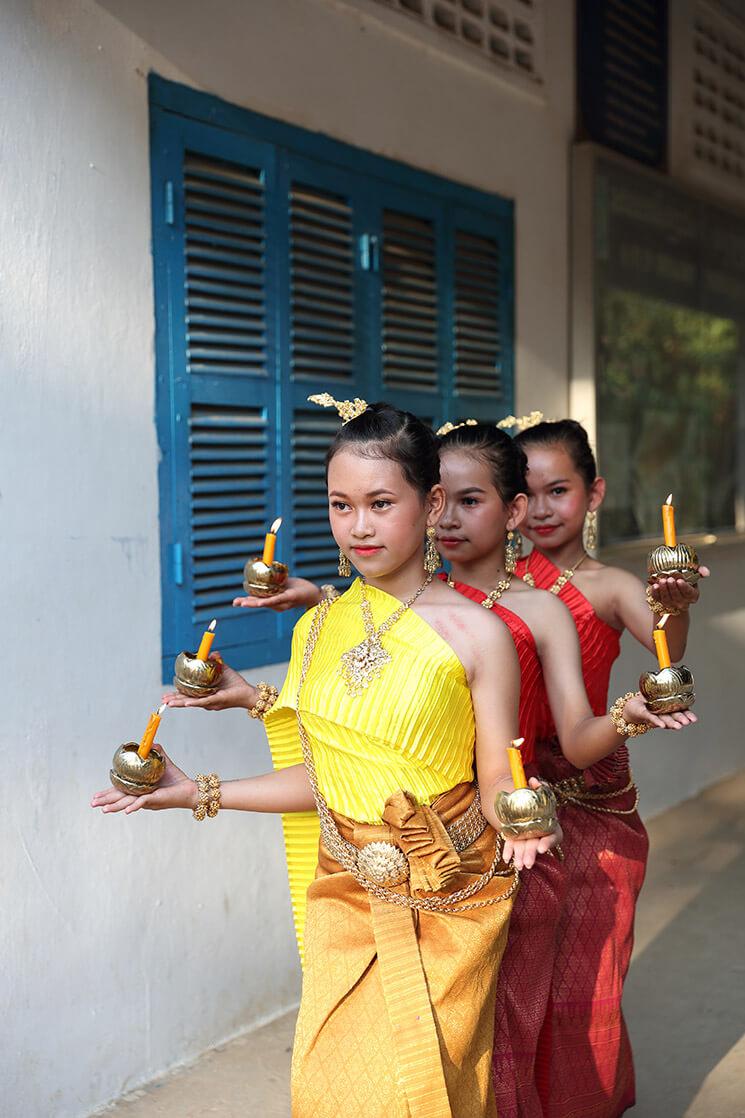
{"points": [[267, 698], [208, 796], [624, 728], [657, 607]]}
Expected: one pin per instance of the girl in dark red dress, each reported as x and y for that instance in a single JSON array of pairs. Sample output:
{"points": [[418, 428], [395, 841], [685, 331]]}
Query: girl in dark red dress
{"points": [[483, 472], [584, 1062]]}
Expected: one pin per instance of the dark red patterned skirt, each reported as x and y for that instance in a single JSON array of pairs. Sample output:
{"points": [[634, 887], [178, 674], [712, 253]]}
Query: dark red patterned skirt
{"points": [[524, 986], [584, 1066]]}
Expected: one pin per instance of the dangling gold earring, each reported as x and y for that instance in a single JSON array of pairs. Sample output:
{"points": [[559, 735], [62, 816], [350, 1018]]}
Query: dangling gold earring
{"points": [[511, 553], [590, 531], [432, 560], [345, 567]]}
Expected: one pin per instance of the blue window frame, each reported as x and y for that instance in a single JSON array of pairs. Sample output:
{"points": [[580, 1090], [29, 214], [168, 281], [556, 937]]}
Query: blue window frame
{"points": [[287, 264]]}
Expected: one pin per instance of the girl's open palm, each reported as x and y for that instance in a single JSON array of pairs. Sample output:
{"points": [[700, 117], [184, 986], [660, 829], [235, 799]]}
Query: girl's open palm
{"points": [[232, 691], [175, 790], [298, 593]]}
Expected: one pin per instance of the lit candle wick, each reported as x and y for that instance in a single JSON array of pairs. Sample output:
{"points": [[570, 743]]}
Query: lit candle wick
{"points": [[270, 542], [150, 731], [207, 638], [516, 763], [668, 522]]}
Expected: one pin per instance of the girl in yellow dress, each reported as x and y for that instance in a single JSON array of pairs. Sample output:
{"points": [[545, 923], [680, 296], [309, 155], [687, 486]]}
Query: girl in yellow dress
{"points": [[389, 726]]}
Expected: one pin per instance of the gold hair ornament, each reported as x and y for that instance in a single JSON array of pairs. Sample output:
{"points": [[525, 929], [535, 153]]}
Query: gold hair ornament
{"points": [[448, 427], [521, 422], [347, 409]]}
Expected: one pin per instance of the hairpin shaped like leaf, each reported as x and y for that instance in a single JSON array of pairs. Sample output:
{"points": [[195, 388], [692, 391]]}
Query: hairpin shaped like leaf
{"points": [[347, 409]]}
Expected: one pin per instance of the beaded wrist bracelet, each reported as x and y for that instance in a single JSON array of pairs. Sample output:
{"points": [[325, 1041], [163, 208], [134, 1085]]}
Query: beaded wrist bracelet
{"points": [[208, 796], [624, 728], [266, 700]]}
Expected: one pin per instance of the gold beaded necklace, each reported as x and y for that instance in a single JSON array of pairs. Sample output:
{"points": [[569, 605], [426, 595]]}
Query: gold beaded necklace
{"points": [[494, 595], [566, 575]]}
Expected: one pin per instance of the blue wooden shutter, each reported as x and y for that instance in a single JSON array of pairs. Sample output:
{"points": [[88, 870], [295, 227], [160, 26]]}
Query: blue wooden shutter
{"points": [[481, 318], [217, 407], [323, 350]]}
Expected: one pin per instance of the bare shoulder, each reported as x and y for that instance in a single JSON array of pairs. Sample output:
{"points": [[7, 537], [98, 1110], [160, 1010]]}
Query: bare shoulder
{"points": [[472, 631], [611, 591], [613, 580]]}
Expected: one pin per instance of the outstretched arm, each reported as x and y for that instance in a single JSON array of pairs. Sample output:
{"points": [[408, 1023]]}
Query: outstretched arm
{"points": [[633, 613], [286, 790], [584, 738]]}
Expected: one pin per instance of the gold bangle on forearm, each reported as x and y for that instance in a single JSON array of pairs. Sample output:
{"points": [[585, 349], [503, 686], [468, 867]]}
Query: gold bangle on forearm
{"points": [[624, 728], [267, 698], [208, 796], [658, 608]]}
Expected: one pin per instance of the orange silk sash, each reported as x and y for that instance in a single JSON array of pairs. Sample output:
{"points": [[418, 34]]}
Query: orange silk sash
{"points": [[397, 1013]]}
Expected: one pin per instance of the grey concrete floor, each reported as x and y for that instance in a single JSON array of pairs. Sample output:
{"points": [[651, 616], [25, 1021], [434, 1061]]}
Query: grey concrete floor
{"points": [[685, 998]]}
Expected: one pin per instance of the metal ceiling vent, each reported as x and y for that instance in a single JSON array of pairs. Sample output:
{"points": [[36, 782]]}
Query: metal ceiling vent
{"points": [[507, 33], [713, 145]]}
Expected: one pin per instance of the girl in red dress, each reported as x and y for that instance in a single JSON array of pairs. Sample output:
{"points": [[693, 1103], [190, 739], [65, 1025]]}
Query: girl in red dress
{"points": [[483, 473], [584, 1062]]}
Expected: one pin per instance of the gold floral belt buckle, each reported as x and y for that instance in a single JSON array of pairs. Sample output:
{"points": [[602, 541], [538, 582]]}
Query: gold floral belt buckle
{"points": [[383, 864]]}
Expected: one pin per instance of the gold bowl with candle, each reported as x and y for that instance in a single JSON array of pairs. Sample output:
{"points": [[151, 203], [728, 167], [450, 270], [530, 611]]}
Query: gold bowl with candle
{"points": [[668, 690], [196, 678], [527, 812], [680, 561], [134, 774], [262, 580]]}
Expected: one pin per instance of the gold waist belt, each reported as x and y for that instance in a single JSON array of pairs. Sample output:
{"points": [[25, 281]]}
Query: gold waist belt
{"points": [[416, 844], [574, 791]]}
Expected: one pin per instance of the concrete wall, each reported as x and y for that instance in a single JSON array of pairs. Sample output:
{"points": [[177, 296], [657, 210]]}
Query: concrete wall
{"points": [[129, 945]]}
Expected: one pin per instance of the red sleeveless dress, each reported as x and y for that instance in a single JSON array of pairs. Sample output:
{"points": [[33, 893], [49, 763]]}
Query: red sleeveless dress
{"points": [[524, 983], [584, 1061]]}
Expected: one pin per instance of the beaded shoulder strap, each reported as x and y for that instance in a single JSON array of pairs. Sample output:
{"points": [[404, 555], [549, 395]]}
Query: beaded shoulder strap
{"points": [[346, 854]]}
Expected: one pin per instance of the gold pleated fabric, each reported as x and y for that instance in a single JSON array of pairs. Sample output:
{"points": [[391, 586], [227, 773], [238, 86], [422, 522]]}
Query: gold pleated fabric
{"points": [[397, 1013], [412, 728]]}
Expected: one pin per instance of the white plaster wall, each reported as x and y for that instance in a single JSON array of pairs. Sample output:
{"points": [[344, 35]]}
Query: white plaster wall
{"points": [[125, 945]]}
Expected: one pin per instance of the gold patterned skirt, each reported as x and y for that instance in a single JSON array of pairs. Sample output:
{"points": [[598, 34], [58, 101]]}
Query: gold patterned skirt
{"points": [[397, 1011]]}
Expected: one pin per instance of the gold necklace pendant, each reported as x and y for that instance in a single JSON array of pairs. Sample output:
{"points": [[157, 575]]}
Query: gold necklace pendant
{"points": [[363, 663]]}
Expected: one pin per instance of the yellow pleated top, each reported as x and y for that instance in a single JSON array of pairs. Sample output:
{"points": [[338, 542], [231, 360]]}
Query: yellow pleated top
{"points": [[412, 728]]}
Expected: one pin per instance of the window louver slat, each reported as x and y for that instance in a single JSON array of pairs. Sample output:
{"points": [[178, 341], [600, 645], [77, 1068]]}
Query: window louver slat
{"points": [[224, 258], [409, 302], [314, 549], [228, 513], [476, 333], [322, 335]]}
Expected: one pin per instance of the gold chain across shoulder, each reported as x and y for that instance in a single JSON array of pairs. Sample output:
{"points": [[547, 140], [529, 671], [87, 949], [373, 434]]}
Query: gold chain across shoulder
{"points": [[386, 857], [494, 595]]}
